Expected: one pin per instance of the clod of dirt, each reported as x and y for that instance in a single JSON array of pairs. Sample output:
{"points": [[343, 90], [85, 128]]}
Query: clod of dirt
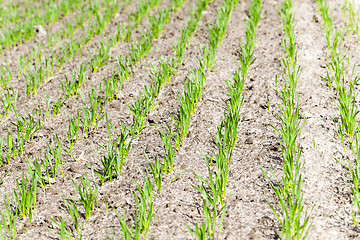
{"points": [[74, 168], [249, 140], [153, 118], [40, 31]]}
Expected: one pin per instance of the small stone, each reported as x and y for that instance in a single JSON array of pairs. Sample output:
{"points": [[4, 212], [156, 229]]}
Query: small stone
{"points": [[40, 31], [74, 168], [153, 118], [249, 140], [307, 115], [52, 181]]}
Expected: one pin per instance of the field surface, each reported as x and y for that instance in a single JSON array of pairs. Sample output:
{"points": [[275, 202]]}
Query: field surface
{"points": [[95, 99]]}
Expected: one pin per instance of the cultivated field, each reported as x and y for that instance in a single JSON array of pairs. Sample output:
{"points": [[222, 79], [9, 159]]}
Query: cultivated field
{"points": [[179, 119]]}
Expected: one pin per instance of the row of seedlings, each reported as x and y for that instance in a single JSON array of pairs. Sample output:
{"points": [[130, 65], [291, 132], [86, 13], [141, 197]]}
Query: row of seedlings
{"points": [[13, 13], [213, 189], [294, 221], [117, 149], [196, 79], [124, 70], [47, 65], [352, 17], [35, 54], [24, 30], [141, 107], [144, 195], [341, 79], [32, 123], [74, 48], [44, 170], [44, 66], [27, 127]]}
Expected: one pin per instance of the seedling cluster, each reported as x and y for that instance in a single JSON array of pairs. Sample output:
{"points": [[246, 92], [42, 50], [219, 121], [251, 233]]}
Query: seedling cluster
{"points": [[293, 218], [213, 189], [342, 80]]}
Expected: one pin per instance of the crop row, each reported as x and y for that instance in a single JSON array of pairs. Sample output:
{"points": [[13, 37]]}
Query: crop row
{"points": [[23, 31], [213, 190], [26, 127], [13, 13], [341, 80], [50, 163], [293, 218]]}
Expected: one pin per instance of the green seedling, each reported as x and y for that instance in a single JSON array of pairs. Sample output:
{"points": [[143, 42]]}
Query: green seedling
{"points": [[157, 24], [54, 149], [3, 146], [176, 5], [117, 152], [75, 216], [47, 115], [63, 234], [2, 178], [34, 168], [144, 203], [69, 88], [199, 233], [106, 205], [88, 196], [166, 138], [212, 193], [74, 132], [127, 232], [157, 170], [33, 80], [92, 113], [9, 221], [25, 130], [26, 198], [99, 60], [9, 101], [49, 167], [124, 68], [5, 76], [140, 110], [58, 105], [11, 148]]}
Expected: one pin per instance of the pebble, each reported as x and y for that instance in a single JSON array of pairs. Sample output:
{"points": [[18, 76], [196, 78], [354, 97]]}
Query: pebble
{"points": [[249, 140], [40, 31]]}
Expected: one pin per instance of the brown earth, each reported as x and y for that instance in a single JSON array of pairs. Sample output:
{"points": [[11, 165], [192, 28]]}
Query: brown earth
{"points": [[326, 182]]}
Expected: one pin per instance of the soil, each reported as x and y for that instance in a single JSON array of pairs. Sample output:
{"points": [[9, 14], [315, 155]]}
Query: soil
{"points": [[327, 192]]}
